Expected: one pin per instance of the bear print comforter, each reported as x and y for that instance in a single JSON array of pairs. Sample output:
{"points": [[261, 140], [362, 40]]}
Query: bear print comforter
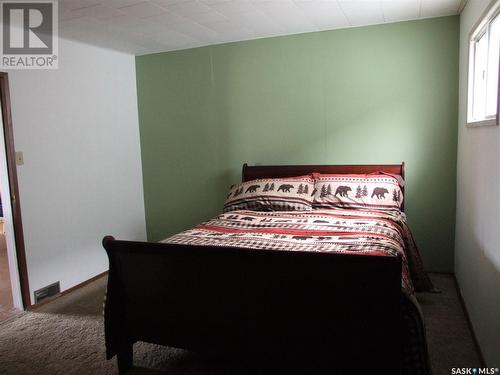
{"points": [[326, 230], [349, 231]]}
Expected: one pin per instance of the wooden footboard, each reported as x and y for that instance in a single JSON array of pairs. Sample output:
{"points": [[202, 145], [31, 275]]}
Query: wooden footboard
{"points": [[240, 300]]}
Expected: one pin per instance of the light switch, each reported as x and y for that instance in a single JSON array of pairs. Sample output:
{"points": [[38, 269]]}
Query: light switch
{"points": [[19, 158]]}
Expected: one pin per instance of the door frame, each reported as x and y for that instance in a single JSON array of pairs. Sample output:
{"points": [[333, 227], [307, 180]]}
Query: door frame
{"points": [[10, 155]]}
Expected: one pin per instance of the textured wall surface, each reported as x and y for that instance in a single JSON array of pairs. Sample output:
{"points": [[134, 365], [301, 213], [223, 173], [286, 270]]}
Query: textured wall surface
{"points": [[81, 179], [477, 250]]}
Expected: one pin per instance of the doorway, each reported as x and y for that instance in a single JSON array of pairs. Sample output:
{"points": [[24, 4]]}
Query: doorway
{"points": [[7, 308], [14, 288]]}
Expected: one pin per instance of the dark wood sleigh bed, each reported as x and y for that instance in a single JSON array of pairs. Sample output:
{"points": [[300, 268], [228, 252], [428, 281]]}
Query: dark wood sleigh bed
{"points": [[345, 308]]}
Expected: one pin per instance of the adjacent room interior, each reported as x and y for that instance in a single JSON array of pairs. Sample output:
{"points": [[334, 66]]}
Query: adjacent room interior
{"points": [[6, 302], [10, 300], [250, 184]]}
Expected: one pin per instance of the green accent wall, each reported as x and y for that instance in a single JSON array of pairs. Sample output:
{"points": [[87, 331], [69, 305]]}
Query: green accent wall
{"points": [[376, 94]]}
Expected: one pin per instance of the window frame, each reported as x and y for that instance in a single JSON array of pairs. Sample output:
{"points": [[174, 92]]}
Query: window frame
{"points": [[479, 29]]}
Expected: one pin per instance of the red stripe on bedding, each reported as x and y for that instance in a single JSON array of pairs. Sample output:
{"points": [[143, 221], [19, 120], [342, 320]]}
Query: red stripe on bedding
{"points": [[319, 212], [340, 204], [265, 198], [384, 176], [295, 232]]}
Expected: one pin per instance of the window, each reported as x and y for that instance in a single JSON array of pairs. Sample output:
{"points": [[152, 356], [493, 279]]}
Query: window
{"points": [[484, 57]]}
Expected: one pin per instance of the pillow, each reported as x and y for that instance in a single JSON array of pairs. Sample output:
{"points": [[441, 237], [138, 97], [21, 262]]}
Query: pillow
{"points": [[272, 194], [374, 191]]}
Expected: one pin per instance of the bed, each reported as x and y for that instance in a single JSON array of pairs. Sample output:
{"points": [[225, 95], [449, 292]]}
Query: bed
{"points": [[271, 284]]}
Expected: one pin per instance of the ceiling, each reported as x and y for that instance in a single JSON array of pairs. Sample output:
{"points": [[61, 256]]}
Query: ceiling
{"points": [[141, 27]]}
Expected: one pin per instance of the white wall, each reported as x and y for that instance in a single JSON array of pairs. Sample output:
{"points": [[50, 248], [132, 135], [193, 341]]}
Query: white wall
{"points": [[78, 129], [477, 249]]}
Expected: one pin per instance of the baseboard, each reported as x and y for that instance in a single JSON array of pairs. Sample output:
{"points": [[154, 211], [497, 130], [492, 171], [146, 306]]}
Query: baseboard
{"points": [[469, 322], [67, 291]]}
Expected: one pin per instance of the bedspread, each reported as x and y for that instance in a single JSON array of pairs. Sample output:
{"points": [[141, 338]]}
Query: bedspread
{"points": [[327, 230], [351, 231]]}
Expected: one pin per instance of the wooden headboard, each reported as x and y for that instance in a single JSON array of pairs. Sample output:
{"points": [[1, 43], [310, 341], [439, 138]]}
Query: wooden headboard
{"points": [[270, 171]]}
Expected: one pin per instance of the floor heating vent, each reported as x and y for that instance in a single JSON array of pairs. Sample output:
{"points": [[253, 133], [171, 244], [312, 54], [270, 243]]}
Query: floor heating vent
{"points": [[49, 291]]}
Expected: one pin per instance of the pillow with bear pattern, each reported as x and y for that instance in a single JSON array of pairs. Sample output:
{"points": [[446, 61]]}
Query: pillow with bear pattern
{"points": [[372, 191], [272, 194]]}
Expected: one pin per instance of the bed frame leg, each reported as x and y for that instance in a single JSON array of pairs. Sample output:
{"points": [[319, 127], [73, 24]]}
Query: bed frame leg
{"points": [[124, 358]]}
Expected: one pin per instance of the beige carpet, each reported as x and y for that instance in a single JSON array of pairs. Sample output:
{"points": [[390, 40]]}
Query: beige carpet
{"points": [[66, 337]]}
